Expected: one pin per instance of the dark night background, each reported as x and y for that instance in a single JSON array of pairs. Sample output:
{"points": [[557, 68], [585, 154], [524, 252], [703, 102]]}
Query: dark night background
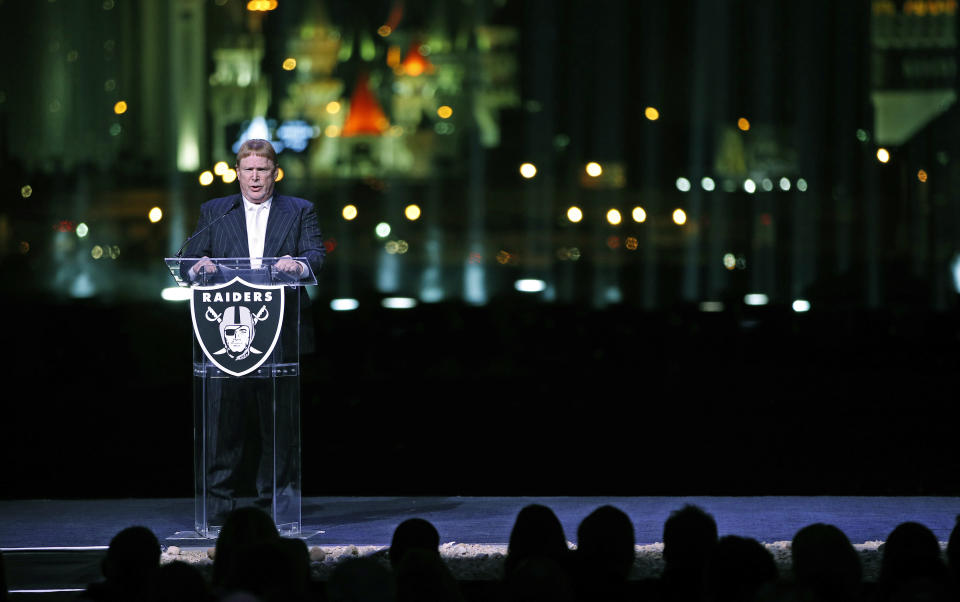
{"points": [[641, 368]]}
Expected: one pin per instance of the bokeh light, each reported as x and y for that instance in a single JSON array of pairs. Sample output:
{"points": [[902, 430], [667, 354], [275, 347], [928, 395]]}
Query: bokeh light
{"points": [[528, 170], [614, 217], [594, 169], [206, 178], [382, 229], [651, 113], [445, 112], [289, 64], [120, 107], [349, 212], [744, 124], [412, 212], [639, 215], [574, 214], [679, 217], [155, 215], [883, 155]]}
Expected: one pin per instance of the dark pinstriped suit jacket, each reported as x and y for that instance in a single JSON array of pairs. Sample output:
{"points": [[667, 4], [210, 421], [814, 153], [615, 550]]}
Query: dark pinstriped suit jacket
{"points": [[292, 229]]}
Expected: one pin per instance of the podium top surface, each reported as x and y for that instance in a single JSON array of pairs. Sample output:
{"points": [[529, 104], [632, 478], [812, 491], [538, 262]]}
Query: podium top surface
{"points": [[255, 270]]}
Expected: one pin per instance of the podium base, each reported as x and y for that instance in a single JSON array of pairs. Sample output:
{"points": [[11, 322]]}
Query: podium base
{"points": [[192, 536]]}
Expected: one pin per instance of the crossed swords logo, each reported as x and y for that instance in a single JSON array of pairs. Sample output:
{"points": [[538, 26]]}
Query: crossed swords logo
{"points": [[260, 316]]}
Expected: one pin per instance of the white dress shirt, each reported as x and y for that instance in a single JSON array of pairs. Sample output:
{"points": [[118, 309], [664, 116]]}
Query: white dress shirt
{"points": [[257, 214]]}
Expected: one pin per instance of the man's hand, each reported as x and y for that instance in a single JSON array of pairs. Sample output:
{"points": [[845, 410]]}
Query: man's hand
{"points": [[204, 266], [289, 266]]}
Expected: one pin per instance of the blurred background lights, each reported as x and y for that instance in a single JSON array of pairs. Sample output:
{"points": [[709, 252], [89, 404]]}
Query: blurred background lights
{"points": [[528, 170], [766, 184], [743, 123], [26, 191], [82, 230], [651, 113], [120, 107], [922, 175], [333, 107], [729, 261], [574, 214], [349, 212], [382, 229], [345, 304], [412, 212], [784, 184], [96, 252], [530, 285], [683, 184], [708, 184], [594, 169], [711, 306], [176, 293], [749, 186], [883, 155], [331, 131], [280, 174], [445, 112], [220, 167], [289, 64], [801, 185], [679, 217], [614, 217], [801, 305], [206, 178], [261, 5], [398, 302], [755, 299], [639, 215], [230, 176], [155, 215]]}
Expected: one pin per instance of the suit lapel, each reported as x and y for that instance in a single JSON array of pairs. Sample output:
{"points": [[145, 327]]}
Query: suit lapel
{"points": [[278, 224], [235, 226]]}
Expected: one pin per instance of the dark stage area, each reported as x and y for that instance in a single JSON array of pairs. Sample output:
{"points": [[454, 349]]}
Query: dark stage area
{"points": [[507, 399]]}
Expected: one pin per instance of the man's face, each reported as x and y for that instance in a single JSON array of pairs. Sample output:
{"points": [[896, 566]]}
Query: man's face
{"points": [[237, 338], [257, 176]]}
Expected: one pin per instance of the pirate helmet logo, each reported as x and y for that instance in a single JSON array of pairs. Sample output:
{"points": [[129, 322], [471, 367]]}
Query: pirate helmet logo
{"points": [[240, 324]]}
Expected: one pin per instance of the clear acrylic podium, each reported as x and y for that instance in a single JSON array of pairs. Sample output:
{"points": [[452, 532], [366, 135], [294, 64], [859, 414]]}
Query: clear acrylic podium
{"points": [[246, 363]]}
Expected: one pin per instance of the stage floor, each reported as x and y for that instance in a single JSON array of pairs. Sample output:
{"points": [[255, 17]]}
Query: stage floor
{"points": [[59, 543]]}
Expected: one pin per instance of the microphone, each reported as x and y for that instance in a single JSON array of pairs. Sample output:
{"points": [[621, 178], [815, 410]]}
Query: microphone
{"points": [[236, 203]]}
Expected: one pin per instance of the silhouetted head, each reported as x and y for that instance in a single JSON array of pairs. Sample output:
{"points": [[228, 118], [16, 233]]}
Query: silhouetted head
{"points": [[277, 569], [826, 563], [536, 532], [179, 581], [361, 580], [689, 536], [133, 558], [422, 575], [244, 527], [605, 543], [539, 579], [911, 551], [413, 533], [738, 568]]}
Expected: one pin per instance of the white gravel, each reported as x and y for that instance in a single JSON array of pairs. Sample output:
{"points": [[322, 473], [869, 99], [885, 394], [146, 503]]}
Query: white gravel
{"points": [[476, 562]]}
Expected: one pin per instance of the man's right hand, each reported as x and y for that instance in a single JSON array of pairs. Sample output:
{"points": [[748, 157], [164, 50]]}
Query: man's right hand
{"points": [[204, 266]]}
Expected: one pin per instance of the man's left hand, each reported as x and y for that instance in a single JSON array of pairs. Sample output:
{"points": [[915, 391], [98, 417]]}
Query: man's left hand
{"points": [[289, 266]]}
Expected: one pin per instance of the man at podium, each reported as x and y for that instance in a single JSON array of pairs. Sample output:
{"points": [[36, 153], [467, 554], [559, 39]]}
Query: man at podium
{"points": [[255, 223]]}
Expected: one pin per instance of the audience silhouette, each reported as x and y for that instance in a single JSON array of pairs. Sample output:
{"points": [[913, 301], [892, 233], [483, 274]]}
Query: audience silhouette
{"points": [[129, 568], [253, 563], [689, 538], [911, 567], [826, 567], [604, 555]]}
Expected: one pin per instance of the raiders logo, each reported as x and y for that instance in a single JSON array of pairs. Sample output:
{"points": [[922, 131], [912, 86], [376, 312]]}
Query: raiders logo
{"points": [[237, 324]]}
